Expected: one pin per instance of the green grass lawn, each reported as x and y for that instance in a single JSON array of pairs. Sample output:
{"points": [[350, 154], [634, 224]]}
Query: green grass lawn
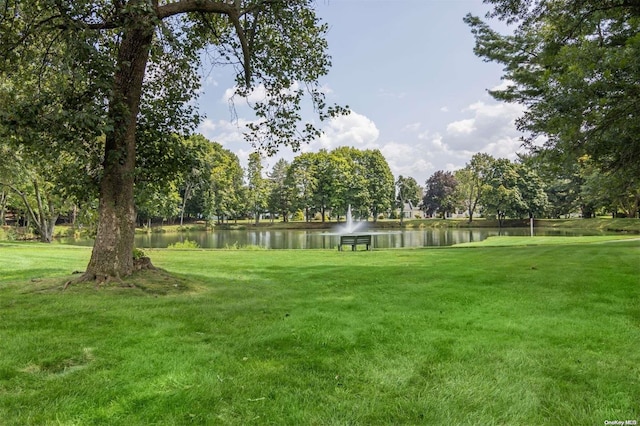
{"points": [[502, 334]]}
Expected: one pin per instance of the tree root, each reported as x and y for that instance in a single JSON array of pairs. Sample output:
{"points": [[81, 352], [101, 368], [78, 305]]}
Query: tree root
{"points": [[99, 279], [143, 263], [139, 264]]}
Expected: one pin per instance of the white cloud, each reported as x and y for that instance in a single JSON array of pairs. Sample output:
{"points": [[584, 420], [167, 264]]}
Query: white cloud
{"points": [[450, 167], [462, 127], [210, 81], [385, 93], [351, 130], [397, 152], [424, 135], [224, 132], [432, 143], [491, 130], [436, 145], [413, 127], [504, 85], [207, 127], [415, 169], [243, 156], [484, 126], [259, 93], [406, 159], [326, 89]]}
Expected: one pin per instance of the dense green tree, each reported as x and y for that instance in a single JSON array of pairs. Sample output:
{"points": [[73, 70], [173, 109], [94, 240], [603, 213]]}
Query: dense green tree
{"points": [[156, 188], [279, 194], [346, 182], [41, 129], [574, 64], [196, 170], [160, 201], [351, 183], [4, 199], [439, 193], [379, 182], [7, 171], [407, 191], [563, 194], [472, 181], [324, 176], [302, 181], [502, 196], [257, 189], [532, 191], [562, 180], [343, 180], [127, 69], [513, 190], [225, 196], [370, 186], [35, 182], [617, 193]]}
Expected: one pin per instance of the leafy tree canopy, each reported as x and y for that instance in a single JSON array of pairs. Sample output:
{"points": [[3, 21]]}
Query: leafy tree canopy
{"points": [[439, 193], [127, 70], [574, 64]]}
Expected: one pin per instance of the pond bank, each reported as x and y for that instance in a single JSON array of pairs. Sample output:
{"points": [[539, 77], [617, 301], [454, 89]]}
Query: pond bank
{"points": [[600, 224], [624, 225]]}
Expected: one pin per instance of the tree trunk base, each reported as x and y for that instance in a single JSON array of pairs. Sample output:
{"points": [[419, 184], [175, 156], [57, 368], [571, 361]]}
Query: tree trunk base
{"points": [[143, 263], [139, 264], [98, 279]]}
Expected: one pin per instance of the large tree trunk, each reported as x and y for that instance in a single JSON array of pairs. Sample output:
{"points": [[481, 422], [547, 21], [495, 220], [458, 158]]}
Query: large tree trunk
{"points": [[112, 255]]}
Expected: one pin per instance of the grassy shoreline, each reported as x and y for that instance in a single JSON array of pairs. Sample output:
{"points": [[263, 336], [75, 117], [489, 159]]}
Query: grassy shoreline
{"points": [[525, 335]]}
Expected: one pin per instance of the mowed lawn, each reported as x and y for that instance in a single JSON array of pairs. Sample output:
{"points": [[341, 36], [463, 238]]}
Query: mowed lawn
{"points": [[514, 335]]}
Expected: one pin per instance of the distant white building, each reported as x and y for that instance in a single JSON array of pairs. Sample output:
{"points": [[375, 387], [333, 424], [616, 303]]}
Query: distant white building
{"points": [[412, 212]]}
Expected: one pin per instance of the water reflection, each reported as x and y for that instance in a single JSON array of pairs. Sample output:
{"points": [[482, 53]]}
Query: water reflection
{"points": [[297, 239]]}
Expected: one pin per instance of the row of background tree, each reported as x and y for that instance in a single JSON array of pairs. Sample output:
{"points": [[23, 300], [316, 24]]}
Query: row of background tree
{"points": [[533, 186], [208, 183]]}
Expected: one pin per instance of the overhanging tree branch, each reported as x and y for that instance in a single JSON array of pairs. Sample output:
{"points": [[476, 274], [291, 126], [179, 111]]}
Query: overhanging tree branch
{"points": [[186, 6]]}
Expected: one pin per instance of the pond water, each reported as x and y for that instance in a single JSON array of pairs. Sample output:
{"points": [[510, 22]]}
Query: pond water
{"points": [[313, 239]]}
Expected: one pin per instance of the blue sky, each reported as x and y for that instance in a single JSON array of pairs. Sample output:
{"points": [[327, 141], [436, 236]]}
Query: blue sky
{"points": [[406, 69]]}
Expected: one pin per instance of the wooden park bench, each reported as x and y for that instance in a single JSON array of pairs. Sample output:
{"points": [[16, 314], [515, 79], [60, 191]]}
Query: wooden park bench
{"points": [[354, 240]]}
